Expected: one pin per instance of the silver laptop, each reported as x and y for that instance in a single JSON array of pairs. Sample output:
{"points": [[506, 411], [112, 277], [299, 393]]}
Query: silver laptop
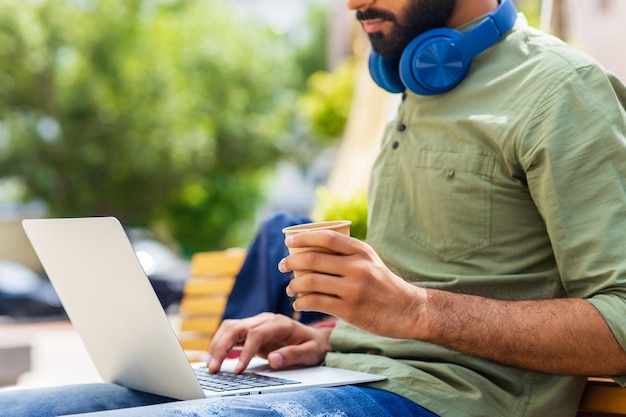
{"points": [[113, 307]]}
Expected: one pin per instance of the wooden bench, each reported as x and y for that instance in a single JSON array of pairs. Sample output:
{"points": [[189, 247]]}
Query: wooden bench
{"points": [[212, 277], [205, 294], [602, 398]]}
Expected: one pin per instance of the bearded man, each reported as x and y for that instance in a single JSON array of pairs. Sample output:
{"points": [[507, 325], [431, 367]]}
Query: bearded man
{"points": [[493, 279]]}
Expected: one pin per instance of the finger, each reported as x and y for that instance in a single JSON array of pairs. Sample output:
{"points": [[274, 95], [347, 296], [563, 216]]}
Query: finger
{"points": [[323, 303], [263, 338], [305, 354], [224, 340], [231, 333], [314, 282], [321, 262], [326, 239]]}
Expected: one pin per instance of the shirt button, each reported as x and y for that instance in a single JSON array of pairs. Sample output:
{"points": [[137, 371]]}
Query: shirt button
{"points": [[450, 173], [401, 127], [395, 145]]}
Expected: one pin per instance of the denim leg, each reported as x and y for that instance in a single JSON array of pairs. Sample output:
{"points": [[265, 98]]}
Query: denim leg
{"points": [[58, 401], [348, 401]]}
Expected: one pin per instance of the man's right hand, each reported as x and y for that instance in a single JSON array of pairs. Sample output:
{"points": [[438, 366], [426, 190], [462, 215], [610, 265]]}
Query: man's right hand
{"points": [[281, 340]]}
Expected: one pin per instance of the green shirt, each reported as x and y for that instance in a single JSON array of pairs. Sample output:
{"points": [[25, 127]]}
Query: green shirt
{"points": [[511, 186]]}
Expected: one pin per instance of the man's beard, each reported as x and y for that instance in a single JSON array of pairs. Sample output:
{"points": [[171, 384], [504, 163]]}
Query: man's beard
{"points": [[419, 16]]}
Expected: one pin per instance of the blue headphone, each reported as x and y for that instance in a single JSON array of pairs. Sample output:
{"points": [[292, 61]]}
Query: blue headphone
{"points": [[438, 59]]}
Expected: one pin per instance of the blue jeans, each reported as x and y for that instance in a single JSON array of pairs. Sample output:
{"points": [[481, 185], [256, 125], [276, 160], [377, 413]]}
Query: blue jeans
{"points": [[347, 401]]}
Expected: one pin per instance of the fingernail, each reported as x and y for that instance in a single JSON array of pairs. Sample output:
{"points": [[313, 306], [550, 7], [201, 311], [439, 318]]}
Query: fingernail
{"points": [[281, 265]]}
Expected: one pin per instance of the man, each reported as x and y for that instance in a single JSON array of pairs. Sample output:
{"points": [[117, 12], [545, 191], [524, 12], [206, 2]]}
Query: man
{"points": [[494, 277]]}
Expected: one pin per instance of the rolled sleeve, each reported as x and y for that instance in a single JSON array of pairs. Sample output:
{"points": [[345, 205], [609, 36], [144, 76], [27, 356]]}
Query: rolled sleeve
{"points": [[577, 175]]}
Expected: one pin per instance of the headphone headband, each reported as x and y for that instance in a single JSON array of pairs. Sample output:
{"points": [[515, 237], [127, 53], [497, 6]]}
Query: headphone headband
{"points": [[490, 30]]}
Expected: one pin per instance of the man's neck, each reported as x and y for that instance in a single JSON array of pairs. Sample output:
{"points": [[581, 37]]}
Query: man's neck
{"points": [[468, 10]]}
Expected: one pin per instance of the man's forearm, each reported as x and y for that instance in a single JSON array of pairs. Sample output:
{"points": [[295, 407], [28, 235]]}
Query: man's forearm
{"points": [[561, 336]]}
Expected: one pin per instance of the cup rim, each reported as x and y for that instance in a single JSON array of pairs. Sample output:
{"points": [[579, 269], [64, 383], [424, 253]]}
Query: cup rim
{"points": [[325, 225]]}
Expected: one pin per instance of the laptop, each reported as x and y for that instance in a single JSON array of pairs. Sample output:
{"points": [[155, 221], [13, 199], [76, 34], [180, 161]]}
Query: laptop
{"points": [[114, 309]]}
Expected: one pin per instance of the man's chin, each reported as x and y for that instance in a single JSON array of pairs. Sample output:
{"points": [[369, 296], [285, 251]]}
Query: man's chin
{"points": [[380, 45], [394, 56]]}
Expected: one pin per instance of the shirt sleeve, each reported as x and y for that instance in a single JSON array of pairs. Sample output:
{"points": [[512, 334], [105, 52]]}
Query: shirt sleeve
{"points": [[574, 155]]}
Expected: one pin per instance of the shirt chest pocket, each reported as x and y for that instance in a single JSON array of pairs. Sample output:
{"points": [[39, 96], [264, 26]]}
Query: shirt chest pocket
{"points": [[450, 202]]}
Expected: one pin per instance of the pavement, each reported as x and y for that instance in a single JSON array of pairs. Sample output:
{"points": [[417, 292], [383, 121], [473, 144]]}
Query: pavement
{"points": [[43, 354], [47, 354]]}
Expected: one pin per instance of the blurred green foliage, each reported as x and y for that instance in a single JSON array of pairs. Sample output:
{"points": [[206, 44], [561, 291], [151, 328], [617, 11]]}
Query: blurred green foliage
{"points": [[312, 40], [167, 114], [532, 11], [330, 206], [326, 103]]}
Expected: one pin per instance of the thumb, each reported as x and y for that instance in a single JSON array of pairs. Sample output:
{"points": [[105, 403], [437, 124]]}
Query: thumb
{"points": [[304, 354]]}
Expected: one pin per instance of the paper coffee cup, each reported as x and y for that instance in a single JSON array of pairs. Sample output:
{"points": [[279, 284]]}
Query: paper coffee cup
{"points": [[341, 226]]}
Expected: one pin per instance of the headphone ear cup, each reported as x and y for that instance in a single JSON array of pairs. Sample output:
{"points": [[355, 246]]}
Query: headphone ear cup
{"points": [[384, 72], [432, 63]]}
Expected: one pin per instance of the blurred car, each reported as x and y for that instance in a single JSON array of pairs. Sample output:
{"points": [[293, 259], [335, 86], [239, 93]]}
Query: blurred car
{"points": [[25, 294], [167, 271]]}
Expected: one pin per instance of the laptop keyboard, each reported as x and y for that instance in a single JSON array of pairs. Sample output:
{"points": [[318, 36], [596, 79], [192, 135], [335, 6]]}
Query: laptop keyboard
{"points": [[226, 381]]}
